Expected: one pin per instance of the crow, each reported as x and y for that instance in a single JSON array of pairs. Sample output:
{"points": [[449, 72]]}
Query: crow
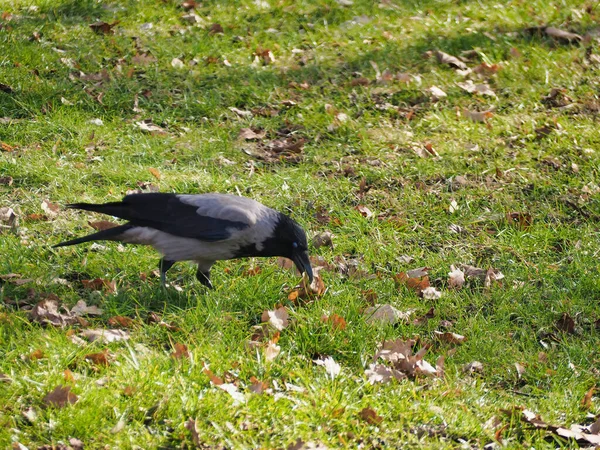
{"points": [[203, 228]]}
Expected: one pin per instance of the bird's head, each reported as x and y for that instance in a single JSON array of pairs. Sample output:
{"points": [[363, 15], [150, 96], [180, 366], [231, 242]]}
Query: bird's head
{"points": [[289, 241]]}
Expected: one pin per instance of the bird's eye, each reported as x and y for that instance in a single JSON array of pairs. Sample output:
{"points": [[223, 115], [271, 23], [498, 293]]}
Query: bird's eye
{"points": [[295, 245]]}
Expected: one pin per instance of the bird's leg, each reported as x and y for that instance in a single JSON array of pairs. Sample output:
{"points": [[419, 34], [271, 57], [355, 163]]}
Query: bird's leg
{"points": [[163, 266], [203, 276]]}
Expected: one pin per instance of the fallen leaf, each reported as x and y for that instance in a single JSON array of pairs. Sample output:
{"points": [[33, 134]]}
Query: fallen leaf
{"points": [[216, 28], [60, 397], [451, 338], [192, 427], [103, 27], [477, 116], [272, 350], [370, 416], [472, 88], [380, 373], [249, 134], [337, 322], [47, 312], [566, 324], [241, 113], [456, 278], [51, 209], [452, 61], [323, 239], [176, 63], [155, 173], [365, 211], [35, 355], [82, 309], [5, 147], [6, 181], [99, 284], [332, 368], [586, 401], [399, 353], [180, 351], [520, 220], [149, 127], [217, 381], [232, 390], [98, 359], [436, 92], [305, 291], [473, 367], [121, 321], [105, 336], [278, 318], [386, 314]]}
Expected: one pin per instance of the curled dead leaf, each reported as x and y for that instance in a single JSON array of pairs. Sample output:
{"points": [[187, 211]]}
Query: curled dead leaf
{"points": [[370, 416], [60, 397], [451, 338]]}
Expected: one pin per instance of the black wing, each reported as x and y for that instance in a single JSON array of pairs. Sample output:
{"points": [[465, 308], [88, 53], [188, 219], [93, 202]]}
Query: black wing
{"points": [[166, 212]]}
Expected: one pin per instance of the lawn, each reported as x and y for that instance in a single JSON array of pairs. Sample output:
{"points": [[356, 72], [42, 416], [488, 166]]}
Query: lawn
{"points": [[446, 135]]}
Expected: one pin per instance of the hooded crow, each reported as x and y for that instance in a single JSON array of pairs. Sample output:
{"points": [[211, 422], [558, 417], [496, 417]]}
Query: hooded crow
{"points": [[203, 228]]}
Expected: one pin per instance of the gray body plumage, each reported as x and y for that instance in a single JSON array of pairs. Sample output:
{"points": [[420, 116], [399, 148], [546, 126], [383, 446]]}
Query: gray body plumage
{"points": [[203, 228]]}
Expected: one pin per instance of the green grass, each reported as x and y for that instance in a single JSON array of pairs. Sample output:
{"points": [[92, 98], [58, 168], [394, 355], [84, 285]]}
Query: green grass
{"points": [[550, 268]]}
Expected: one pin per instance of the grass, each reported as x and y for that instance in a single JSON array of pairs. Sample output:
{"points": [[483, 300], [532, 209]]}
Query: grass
{"points": [[319, 48]]}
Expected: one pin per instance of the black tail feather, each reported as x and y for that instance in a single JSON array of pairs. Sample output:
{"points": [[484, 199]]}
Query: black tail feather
{"points": [[116, 209], [111, 234]]}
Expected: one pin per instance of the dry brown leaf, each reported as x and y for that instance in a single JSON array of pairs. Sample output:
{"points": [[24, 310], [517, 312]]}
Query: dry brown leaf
{"points": [[48, 312], [472, 88], [473, 367], [216, 28], [249, 134], [365, 211], [60, 397], [180, 351], [370, 416], [586, 401], [278, 318], [5, 147], [103, 27], [520, 220], [105, 336], [456, 278], [451, 338], [121, 321], [257, 386], [6, 181], [217, 381], [155, 173], [305, 291], [99, 284], [272, 350], [436, 93], [82, 309], [477, 116], [337, 322], [386, 314], [400, 354], [98, 359], [193, 429], [35, 355], [452, 61], [51, 209], [323, 239], [149, 127], [566, 324]]}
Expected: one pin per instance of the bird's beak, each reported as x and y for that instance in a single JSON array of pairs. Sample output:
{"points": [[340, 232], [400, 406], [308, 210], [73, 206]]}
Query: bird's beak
{"points": [[302, 262]]}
